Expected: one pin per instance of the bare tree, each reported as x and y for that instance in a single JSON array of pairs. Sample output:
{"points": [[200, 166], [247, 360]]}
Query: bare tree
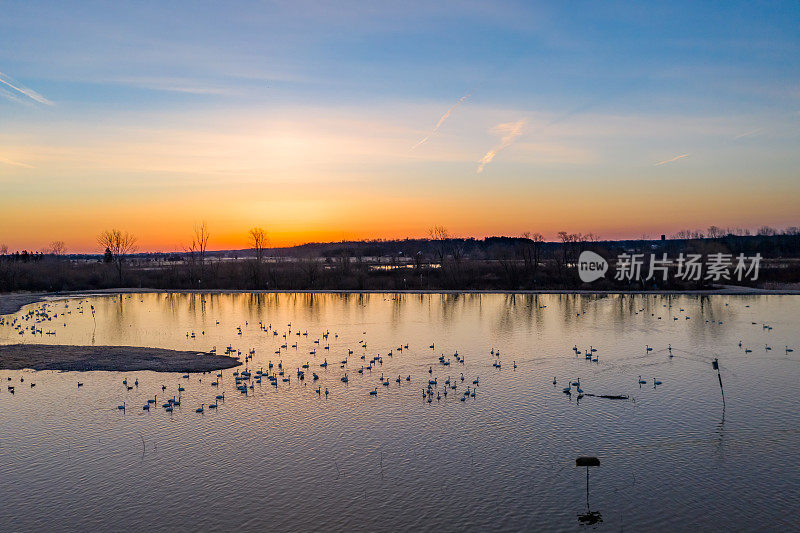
{"points": [[439, 233], [532, 250], [197, 251], [571, 245], [686, 234], [3, 249], [118, 245], [440, 236], [57, 248], [766, 231], [200, 241], [258, 241]]}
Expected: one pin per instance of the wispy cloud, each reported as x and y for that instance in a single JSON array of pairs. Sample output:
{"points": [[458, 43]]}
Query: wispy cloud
{"points": [[441, 121], [14, 97], [178, 85], [5, 161], [748, 133], [676, 158], [22, 90], [509, 131]]}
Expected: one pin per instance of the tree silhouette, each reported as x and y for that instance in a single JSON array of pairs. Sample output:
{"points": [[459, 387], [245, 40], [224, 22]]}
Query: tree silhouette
{"points": [[119, 244]]}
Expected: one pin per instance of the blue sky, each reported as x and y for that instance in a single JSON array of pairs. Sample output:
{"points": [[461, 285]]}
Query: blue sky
{"points": [[241, 107]]}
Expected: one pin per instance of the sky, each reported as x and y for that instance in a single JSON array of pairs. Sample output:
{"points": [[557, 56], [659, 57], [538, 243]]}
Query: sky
{"points": [[329, 121]]}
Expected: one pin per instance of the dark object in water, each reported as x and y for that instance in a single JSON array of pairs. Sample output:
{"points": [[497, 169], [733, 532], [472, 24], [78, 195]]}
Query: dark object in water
{"points": [[715, 366], [587, 460], [590, 518], [610, 396]]}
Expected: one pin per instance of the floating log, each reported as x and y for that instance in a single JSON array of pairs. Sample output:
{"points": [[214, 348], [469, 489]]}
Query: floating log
{"points": [[610, 396]]}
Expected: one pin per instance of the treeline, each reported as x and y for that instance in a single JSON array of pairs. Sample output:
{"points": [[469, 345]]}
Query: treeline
{"points": [[494, 263]]}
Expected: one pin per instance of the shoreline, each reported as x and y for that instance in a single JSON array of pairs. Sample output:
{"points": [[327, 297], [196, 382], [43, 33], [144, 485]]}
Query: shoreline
{"points": [[11, 303], [68, 358]]}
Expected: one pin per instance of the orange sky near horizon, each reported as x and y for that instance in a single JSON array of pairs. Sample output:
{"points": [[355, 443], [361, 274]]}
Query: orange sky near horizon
{"points": [[167, 224]]}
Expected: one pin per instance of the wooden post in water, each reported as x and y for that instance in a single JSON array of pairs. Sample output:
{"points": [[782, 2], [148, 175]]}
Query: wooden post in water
{"points": [[589, 517], [715, 366]]}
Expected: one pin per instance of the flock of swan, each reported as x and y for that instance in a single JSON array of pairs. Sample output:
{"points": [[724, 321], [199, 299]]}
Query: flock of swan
{"points": [[442, 379]]}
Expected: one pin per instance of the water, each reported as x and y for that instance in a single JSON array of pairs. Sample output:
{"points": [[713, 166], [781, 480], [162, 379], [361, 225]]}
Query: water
{"points": [[288, 459]]}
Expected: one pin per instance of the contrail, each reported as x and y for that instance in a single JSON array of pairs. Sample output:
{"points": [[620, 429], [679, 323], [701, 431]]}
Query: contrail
{"points": [[30, 93], [441, 120], [15, 163], [748, 133], [510, 131], [671, 160]]}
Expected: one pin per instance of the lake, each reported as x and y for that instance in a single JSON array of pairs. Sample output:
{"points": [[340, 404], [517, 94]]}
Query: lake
{"points": [[672, 455]]}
